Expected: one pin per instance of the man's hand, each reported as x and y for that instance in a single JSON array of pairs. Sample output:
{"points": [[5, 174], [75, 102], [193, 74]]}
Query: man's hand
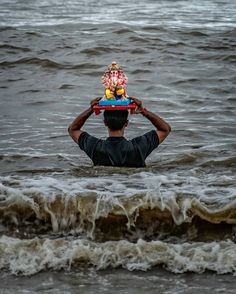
{"points": [[95, 102], [162, 127], [138, 103]]}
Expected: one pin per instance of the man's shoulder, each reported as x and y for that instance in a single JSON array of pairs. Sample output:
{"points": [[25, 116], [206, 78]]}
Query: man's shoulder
{"points": [[150, 135], [85, 134], [86, 140]]}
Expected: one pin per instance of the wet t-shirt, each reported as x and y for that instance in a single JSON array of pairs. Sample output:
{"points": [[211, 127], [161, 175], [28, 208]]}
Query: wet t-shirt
{"points": [[118, 151]]}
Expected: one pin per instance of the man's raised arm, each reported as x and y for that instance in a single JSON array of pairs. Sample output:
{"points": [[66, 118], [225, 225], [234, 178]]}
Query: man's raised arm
{"points": [[75, 127], [162, 127]]}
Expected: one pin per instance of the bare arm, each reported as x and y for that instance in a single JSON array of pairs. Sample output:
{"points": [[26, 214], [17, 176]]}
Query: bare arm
{"points": [[162, 127], [75, 127]]}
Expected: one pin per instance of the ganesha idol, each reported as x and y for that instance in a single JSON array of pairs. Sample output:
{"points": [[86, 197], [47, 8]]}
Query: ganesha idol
{"points": [[114, 81], [115, 96]]}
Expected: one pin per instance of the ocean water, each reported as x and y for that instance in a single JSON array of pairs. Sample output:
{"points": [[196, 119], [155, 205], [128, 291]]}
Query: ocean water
{"points": [[69, 227]]}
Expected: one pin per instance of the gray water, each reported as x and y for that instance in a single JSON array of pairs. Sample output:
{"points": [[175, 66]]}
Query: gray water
{"points": [[81, 228]]}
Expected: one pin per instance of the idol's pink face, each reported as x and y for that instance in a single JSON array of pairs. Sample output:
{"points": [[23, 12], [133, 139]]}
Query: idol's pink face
{"points": [[114, 78], [114, 73]]}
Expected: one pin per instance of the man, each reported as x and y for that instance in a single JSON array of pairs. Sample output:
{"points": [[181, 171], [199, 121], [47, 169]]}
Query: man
{"points": [[116, 150]]}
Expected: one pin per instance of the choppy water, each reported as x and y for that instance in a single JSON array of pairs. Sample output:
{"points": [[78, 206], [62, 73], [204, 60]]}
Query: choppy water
{"points": [[58, 212]]}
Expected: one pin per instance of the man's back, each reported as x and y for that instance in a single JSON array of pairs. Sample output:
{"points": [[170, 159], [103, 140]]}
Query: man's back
{"points": [[118, 151]]}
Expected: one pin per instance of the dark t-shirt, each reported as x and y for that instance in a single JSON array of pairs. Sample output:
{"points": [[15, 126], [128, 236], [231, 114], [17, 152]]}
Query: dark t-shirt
{"points": [[117, 151]]}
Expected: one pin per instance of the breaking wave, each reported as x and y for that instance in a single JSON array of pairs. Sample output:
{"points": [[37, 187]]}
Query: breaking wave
{"points": [[103, 216], [27, 257]]}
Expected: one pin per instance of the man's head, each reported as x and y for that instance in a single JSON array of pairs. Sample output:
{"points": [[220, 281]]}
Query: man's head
{"points": [[116, 119]]}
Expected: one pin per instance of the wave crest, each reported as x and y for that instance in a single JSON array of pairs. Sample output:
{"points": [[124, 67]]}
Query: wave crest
{"points": [[144, 215]]}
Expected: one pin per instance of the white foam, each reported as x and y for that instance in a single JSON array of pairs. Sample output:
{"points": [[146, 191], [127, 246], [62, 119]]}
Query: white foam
{"points": [[28, 257], [117, 194]]}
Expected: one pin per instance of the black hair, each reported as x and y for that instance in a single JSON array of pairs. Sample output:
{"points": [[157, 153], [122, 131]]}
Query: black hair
{"points": [[115, 119]]}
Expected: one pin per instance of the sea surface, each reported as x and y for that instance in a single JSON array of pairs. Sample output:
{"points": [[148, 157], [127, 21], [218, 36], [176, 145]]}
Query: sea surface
{"points": [[69, 227]]}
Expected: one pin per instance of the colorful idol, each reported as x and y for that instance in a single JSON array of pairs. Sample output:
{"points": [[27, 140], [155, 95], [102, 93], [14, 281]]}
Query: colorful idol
{"points": [[114, 81]]}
